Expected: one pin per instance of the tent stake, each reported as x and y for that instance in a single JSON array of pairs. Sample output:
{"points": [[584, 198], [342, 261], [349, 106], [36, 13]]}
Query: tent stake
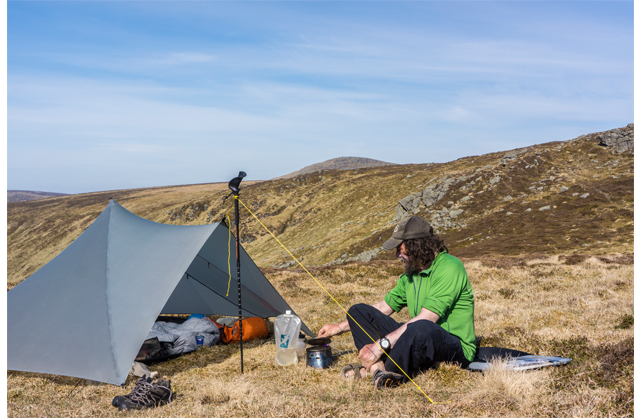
{"points": [[74, 388], [235, 189]]}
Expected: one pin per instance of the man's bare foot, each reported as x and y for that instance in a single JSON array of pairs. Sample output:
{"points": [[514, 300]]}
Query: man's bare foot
{"points": [[350, 370], [379, 365]]}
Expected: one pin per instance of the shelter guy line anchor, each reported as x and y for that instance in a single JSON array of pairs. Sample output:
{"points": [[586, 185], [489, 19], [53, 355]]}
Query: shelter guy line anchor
{"points": [[332, 297], [228, 254], [226, 216]]}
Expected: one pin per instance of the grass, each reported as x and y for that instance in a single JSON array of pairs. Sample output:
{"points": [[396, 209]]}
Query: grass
{"points": [[582, 310]]}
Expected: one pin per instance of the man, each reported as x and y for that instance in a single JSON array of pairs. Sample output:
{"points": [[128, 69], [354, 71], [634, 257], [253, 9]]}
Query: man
{"points": [[438, 294]]}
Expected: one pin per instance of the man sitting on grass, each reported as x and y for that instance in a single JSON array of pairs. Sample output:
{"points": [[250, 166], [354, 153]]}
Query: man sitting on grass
{"points": [[438, 294]]}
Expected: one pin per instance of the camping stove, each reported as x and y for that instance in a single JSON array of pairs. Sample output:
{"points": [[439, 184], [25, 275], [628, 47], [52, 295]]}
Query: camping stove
{"points": [[319, 355]]}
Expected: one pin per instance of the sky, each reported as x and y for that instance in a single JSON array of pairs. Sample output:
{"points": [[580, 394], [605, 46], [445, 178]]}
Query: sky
{"points": [[117, 94]]}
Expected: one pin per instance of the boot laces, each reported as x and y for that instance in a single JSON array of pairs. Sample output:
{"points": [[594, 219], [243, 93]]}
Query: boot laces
{"points": [[141, 390], [165, 387]]}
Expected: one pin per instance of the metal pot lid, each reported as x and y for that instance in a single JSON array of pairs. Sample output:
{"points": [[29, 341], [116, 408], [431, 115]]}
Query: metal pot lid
{"points": [[319, 341], [319, 349]]}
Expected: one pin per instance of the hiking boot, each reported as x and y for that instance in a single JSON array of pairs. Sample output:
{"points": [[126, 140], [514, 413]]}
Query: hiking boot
{"points": [[144, 380], [148, 395]]}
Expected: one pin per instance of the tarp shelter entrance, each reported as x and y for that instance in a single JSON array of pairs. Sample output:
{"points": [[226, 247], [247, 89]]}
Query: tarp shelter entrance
{"points": [[87, 312]]}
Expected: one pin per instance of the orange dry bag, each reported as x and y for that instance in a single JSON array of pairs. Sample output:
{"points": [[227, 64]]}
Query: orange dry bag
{"points": [[253, 327]]}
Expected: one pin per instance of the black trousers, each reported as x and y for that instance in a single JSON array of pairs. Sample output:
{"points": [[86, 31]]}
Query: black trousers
{"points": [[422, 344]]}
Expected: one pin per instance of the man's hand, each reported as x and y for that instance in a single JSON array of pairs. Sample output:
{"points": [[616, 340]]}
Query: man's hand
{"points": [[369, 355], [329, 331]]}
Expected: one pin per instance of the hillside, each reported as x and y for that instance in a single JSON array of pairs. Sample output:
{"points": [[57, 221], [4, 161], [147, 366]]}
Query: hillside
{"points": [[22, 195], [570, 197], [341, 163]]}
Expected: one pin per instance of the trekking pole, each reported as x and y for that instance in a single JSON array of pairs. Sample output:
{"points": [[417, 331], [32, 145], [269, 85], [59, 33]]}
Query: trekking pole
{"points": [[235, 189]]}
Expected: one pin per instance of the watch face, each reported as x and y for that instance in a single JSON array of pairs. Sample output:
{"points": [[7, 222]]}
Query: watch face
{"points": [[385, 344]]}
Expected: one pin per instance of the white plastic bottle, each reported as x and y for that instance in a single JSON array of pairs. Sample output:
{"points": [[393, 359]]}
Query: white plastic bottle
{"points": [[286, 330]]}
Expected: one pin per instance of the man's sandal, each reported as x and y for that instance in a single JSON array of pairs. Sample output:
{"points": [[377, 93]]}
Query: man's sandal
{"points": [[356, 368], [384, 379]]}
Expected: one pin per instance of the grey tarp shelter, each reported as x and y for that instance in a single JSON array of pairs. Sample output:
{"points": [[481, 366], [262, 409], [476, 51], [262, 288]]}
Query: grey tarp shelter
{"points": [[87, 312]]}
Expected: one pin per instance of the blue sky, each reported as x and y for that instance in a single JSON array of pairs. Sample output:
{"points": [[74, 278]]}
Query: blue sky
{"points": [[118, 95]]}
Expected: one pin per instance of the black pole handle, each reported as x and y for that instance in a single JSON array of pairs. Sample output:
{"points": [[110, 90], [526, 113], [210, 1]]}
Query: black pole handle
{"points": [[234, 184]]}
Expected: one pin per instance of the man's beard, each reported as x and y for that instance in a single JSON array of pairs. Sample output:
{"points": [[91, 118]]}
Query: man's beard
{"points": [[410, 267]]}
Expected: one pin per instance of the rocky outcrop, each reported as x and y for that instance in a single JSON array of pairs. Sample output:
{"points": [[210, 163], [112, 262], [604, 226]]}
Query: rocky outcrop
{"points": [[400, 214], [365, 256], [444, 219], [512, 156], [618, 140], [411, 204], [415, 202], [435, 192]]}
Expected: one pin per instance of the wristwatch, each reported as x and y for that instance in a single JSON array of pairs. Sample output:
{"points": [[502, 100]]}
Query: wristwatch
{"points": [[385, 345]]}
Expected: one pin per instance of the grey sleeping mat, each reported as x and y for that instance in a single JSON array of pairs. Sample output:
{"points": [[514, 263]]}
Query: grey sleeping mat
{"points": [[516, 360]]}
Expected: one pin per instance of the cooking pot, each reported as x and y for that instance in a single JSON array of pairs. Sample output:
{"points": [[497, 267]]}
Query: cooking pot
{"points": [[319, 356]]}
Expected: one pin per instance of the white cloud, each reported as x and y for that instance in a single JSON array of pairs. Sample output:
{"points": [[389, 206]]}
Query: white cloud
{"points": [[290, 88]]}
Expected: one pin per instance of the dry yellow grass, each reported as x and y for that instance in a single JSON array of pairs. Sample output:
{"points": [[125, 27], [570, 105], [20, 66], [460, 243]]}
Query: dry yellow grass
{"points": [[541, 306], [499, 388]]}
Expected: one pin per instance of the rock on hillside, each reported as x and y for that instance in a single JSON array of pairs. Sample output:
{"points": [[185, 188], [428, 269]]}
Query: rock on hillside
{"points": [[341, 163], [618, 140]]}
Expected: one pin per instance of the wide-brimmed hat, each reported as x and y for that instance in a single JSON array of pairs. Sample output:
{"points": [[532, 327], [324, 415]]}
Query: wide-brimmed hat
{"points": [[413, 227]]}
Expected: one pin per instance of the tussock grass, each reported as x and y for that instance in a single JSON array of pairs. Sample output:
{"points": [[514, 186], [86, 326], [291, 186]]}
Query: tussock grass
{"points": [[505, 389], [570, 310]]}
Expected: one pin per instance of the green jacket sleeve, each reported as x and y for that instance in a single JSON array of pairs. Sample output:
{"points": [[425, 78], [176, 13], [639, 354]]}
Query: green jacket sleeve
{"points": [[397, 298]]}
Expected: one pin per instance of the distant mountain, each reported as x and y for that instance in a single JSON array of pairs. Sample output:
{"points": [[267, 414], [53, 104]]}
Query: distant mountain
{"points": [[341, 163], [22, 195]]}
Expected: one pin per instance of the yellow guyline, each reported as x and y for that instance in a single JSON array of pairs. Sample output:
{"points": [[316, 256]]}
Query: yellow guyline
{"points": [[228, 254], [228, 248], [341, 306]]}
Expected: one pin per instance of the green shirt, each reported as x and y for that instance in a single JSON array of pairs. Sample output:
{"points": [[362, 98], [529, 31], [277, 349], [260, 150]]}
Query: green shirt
{"points": [[444, 289]]}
